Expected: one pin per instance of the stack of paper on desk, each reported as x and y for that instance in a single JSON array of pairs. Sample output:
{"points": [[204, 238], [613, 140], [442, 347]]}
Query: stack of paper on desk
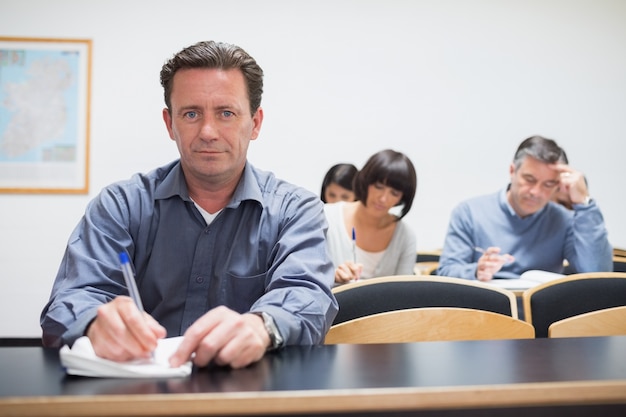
{"points": [[527, 280], [82, 360]]}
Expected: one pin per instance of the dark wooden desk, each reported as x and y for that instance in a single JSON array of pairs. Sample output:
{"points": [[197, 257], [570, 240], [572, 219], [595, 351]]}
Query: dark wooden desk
{"points": [[585, 376]]}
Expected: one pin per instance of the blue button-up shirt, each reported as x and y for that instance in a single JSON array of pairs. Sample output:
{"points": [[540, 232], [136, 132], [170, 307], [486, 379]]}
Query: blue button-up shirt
{"points": [[265, 251]]}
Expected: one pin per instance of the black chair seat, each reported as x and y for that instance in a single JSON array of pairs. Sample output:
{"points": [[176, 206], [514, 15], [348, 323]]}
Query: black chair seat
{"points": [[379, 295], [573, 295]]}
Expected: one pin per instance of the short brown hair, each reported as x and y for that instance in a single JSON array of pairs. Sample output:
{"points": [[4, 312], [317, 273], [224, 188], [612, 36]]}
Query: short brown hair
{"points": [[211, 54]]}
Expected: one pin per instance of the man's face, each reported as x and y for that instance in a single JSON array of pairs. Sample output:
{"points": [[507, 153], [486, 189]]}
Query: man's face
{"points": [[532, 186], [210, 122]]}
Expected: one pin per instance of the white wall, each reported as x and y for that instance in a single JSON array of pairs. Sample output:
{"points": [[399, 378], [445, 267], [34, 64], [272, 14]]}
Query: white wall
{"points": [[456, 85]]}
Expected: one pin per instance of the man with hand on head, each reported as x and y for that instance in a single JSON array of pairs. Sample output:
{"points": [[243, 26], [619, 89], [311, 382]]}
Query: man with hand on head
{"points": [[520, 228], [225, 254]]}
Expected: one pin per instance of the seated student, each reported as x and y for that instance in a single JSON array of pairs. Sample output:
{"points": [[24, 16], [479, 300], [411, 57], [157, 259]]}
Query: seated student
{"points": [[520, 228], [225, 254], [383, 244], [337, 184]]}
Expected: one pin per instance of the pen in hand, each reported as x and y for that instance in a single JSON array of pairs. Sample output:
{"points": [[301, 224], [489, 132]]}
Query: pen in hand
{"points": [[353, 245], [129, 278], [507, 258], [479, 249], [354, 252], [131, 284]]}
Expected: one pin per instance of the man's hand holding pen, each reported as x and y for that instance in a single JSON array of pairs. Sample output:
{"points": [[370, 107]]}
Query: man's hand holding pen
{"points": [[491, 262], [121, 331]]}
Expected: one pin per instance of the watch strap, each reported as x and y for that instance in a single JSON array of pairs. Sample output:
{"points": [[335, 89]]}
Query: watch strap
{"points": [[276, 339]]}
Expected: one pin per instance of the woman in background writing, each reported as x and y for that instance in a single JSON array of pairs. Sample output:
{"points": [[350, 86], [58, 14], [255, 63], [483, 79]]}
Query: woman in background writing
{"points": [[365, 240]]}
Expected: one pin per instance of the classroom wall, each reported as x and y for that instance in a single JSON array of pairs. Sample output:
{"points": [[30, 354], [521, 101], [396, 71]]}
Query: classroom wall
{"points": [[455, 84]]}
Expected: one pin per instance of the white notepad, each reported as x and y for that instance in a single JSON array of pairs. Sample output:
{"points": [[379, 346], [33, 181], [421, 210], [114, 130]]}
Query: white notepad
{"points": [[82, 360], [528, 279]]}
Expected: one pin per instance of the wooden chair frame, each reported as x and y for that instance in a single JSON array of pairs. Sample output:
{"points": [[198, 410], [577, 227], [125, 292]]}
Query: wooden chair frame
{"points": [[425, 268], [605, 322], [428, 256], [572, 308], [619, 264], [619, 252], [429, 324]]}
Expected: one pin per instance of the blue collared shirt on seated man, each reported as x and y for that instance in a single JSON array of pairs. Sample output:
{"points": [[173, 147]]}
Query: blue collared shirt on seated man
{"points": [[542, 240], [265, 251]]}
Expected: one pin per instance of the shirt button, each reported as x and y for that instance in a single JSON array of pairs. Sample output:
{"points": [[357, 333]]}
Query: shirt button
{"points": [[199, 280]]}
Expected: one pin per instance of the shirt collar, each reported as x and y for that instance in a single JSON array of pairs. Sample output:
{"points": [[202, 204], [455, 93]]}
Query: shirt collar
{"points": [[247, 189], [174, 184], [505, 205]]}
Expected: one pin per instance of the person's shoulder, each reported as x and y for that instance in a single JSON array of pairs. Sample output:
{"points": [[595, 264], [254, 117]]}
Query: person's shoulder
{"points": [[334, 207], [269, 183], [141, 180], [554, 209], [403, 224], [334, 212], [404, 228], [493, 196], [479, 200]]}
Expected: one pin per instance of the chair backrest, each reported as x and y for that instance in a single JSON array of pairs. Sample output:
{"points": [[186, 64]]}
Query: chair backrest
{"points": [[425, 268], [378, 295], [605, 322], [429, 324], [428, 256], [619, 264], [427, 262], [572, 295], [619, 252]]}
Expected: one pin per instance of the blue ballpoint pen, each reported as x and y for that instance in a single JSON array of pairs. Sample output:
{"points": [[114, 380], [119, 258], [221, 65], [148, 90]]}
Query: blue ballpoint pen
{"points": [[507, 257], [353, 245], [131, 284], [129, 278]]}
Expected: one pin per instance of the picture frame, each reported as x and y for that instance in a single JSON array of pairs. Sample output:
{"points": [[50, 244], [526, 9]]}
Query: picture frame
{"points": [[45, 94]]}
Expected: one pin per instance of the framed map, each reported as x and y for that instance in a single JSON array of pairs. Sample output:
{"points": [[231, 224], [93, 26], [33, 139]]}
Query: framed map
{"points": [[44, 115]]}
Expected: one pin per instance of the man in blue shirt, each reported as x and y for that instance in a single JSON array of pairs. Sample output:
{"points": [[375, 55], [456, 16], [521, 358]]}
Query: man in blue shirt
{"points": [[225, 254], [520, 228]]}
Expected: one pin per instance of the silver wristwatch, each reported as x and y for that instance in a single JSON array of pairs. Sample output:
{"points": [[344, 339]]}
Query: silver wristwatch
{"points": [[276, 339]]}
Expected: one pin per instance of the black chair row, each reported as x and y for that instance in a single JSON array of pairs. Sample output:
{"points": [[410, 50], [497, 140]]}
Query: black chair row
{"points": [[542, 305]]}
